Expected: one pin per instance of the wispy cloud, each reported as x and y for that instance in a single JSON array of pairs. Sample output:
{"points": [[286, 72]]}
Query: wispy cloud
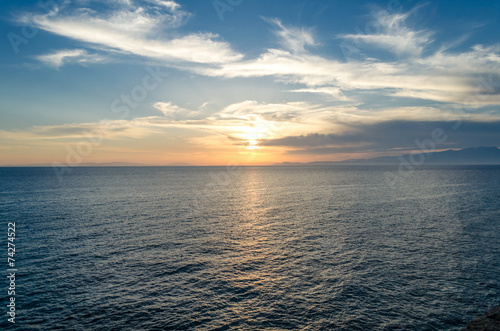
{"points": [[172, 5], [394, 36], [293, 39], [147, 30], [275, 120], [79, 56], [245, 127], [175, 112], [292, 129], [443, 76], [334, 93]]}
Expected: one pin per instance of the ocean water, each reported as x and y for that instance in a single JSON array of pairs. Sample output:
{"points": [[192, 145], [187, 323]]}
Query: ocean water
{"points": [[252, 248]]}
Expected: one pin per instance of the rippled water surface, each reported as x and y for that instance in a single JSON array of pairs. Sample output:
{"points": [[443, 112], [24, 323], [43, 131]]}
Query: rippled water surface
{"points": [[265, 248]]}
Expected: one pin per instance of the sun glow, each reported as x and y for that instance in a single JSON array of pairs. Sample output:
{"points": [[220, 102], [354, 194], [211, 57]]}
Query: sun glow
{"points": [[254, 134], [252, 144]]}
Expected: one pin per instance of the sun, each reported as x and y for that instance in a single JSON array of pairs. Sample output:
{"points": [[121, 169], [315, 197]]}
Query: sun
{"points": [[252, 144], [252, 135]]}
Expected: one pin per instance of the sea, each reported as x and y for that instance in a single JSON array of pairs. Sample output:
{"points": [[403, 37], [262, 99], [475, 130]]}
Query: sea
{"points": [[250, 248]]}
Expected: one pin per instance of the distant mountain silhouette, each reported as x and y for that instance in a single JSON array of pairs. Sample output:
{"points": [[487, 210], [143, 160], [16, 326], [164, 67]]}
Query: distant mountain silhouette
{"points": [[474, 155]]}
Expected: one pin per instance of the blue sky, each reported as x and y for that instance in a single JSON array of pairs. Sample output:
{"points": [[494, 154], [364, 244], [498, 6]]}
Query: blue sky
{"points": [[240, 81]]}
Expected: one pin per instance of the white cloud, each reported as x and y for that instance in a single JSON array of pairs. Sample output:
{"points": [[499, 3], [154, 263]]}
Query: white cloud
{"points": [[293, 39], [241, 123], [394, 36], [334, 93], [61, 57], [441, 76], [247, 124], [175, 112], [137, 30], [289, 118], [172, 5]]}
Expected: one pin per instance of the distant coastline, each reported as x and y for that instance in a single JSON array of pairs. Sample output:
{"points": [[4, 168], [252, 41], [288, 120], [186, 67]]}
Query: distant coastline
{"points": [[466, 156]]}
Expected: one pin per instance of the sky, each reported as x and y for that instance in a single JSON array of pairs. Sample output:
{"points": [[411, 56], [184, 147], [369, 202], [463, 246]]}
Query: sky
{"points": [[245, 82]]}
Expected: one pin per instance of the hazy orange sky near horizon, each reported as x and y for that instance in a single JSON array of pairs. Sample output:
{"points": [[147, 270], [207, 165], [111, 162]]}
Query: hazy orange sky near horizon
{"points": [[76, 154]]}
